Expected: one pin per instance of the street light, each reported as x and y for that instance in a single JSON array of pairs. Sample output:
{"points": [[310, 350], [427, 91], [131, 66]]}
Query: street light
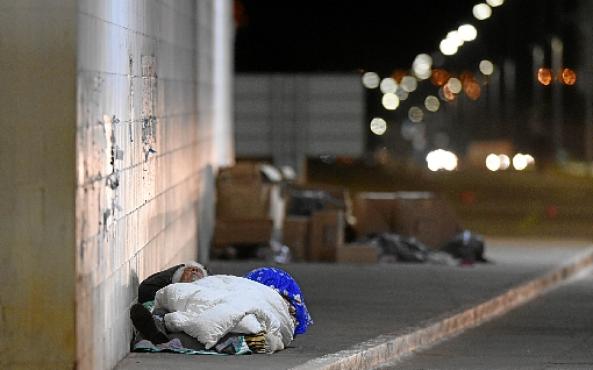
{"points": [[495, 3], [482, 11], [467, 32]]}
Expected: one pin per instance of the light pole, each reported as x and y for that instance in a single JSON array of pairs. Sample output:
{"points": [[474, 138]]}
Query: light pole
{"points": [[587, 79], [557, 48], [510, 97], [537, 57]]}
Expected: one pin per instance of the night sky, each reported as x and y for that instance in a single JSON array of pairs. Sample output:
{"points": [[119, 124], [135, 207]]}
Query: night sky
{"points": [[374, 35]]}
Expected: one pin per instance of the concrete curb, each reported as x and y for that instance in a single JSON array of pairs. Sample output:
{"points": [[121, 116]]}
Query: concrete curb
{"points": [[391, 347]]}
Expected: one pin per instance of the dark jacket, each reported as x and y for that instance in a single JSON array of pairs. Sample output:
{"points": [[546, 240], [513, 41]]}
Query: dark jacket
{"points": [[148, 288]]}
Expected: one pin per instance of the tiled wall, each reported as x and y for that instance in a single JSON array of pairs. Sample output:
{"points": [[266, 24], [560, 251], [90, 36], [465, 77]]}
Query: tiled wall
{"points": [[146, 135]]}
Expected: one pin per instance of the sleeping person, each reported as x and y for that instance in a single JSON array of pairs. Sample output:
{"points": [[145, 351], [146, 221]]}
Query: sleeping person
{"points": [[149, 322], [266, 308]]}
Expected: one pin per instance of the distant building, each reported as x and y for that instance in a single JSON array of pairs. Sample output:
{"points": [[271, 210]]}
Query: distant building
{"points": [[286, 118]]}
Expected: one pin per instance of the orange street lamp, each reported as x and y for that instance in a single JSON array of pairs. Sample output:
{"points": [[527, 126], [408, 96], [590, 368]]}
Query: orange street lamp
{"points": [[544, 76], [568, 77]]}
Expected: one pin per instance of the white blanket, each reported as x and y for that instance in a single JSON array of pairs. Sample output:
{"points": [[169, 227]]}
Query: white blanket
{"points": [[211, 307]]}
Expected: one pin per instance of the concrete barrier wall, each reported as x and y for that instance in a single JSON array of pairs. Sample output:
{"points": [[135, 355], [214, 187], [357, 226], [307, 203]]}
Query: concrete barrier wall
{"points": [[114, 116], [145, 143]]}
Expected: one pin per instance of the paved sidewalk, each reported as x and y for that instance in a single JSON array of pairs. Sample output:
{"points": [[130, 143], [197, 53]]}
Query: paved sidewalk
{"points": [[354, 304], [554, 331]]}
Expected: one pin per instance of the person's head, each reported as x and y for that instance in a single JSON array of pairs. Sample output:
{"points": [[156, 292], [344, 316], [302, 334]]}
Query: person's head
{"points": [[191, 271]]}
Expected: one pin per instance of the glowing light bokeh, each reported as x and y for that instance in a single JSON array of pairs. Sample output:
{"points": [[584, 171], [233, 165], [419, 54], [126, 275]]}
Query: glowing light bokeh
{"points": [[493, 162], [441, 159], [544, 76], [519, 162], [448, 47], [390, 101], [388, 85], [530, 159], [370, 80], [415, 114], [378, 126], [522, 161], [432, 103], [568, 77], [481, 11], [472, 89], [467, 32], [505, 161], [423, 59], [486, 67], [494, 3], [423, 74], [454, 85], [422, 66], [455, 37], [439, 76], [409, 83], [446, 94]]}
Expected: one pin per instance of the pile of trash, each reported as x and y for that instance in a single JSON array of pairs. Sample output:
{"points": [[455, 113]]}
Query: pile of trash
{"points": [[465, 248]]}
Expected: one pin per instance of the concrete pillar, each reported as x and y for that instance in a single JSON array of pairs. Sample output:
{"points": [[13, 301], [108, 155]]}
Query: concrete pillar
{"points": [[223, 35], [37, 150]]}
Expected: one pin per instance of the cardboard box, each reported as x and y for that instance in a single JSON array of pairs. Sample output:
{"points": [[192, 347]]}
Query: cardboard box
{"points": [[373, 215], [250, 190], [431, 221], [241, 232], [326, 235], [295, 234], [243, 201], [419, 214], [358, 253], [241, 171]]}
